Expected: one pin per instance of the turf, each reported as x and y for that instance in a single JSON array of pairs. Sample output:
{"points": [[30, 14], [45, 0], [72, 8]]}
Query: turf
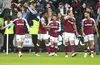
{"points": [[44, 59]]}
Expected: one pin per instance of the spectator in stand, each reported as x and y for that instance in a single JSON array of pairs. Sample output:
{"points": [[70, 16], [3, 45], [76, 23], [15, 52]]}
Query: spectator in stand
{"points": [[83, 8], [61, 20], [61, 8], [55, 3], [98, 5], [75, 4], [39, 7], [97, 40], [50, 12], [50, 4]]}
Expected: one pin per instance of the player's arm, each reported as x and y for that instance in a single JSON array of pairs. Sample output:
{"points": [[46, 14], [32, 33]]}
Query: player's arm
{"points": [[32, 11], [75, 29], [27, 25], [8, 25], [43, 23], [83, 34], [59, 27]]}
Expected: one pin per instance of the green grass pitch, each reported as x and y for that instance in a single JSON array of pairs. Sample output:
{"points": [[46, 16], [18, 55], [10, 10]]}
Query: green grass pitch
{"points": [[44, 59]]}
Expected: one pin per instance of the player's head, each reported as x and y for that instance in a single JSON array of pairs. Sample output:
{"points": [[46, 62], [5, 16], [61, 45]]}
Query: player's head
{"points": [[70, 12], [54, 17], [87, 14], [19, 14], [44, 14]]}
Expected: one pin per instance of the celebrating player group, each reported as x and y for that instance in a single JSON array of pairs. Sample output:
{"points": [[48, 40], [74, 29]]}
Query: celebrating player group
{"points": [[50, 31]]}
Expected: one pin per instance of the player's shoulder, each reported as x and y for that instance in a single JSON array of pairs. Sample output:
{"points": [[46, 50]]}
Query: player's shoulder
{"points": [[50, 21], [58, 22], [73, 18], [15, 20], [84, 19], [65, 17], [42, 19], [92, 19]]}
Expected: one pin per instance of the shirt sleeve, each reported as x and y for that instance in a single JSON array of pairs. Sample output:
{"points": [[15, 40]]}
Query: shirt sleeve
{"points": [[10, 24], [59, 27], [26, 23], [43, 21], [94, 22], [32, 11]]}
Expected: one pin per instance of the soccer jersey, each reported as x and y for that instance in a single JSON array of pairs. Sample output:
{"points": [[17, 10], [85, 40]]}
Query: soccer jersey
{"points": [[69, 25], [55, 27], [42, 30], [88, 26], [20, 26]]}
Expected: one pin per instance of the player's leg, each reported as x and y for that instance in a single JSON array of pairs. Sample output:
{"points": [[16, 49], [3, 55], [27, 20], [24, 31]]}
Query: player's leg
{"points": [[19, 43], [20, 39], [34, 40], [46, 39], [72, 44], [91, 38], [85, 45], [92, 47], [38, 45], [47, 46], [56, 40], [52, 48], [55, 48], [65, 42]]}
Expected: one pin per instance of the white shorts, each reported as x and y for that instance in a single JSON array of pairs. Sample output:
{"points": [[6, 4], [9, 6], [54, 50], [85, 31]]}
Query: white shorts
{"points": [[20, 38], [54, 39], [68, 36], [43, 36], [88, 37]]}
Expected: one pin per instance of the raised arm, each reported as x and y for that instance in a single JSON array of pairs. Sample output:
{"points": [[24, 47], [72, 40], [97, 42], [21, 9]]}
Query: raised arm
{"points": [[32, 11]]}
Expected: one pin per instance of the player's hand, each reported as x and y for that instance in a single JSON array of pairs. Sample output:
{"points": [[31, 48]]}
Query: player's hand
{"points": [[55, 31], [28, 30], [98, 35], [83, 34]]}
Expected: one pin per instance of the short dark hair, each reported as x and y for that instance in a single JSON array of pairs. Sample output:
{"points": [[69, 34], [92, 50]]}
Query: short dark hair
{"points": [[87, 12], [43, 13]]}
